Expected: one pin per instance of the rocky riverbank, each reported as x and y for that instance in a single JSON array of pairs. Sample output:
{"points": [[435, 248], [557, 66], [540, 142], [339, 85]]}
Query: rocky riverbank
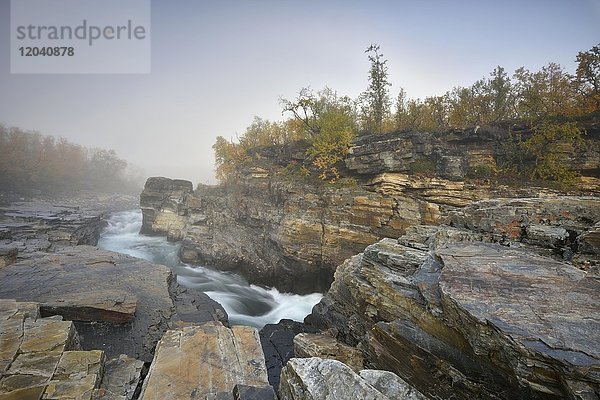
{"points": [[80, 322]]}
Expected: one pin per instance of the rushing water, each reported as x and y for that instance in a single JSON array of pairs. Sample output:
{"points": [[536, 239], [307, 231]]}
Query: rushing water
{"points": [[246, 304]]}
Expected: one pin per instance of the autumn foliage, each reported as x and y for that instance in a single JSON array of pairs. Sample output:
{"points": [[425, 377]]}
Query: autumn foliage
{"points": [[30, 160], [542, 100]]}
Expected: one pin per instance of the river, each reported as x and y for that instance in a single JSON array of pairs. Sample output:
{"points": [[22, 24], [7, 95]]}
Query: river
{"points": [[245, 304]]}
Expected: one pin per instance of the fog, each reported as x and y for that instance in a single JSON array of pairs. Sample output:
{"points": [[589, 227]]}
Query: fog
{"points": [[215, 65]]}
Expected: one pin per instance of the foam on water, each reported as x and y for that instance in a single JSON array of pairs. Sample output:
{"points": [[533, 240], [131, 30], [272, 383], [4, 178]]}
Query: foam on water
{"points": [[246, 304]]}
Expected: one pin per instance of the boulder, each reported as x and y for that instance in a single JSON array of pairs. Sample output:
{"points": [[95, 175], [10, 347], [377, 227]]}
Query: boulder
{"points": [[325, 346], [321, 379], [468, 319]]}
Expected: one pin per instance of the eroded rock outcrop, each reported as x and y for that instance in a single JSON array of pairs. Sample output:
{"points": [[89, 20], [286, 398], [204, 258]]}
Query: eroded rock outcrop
{"points": [[291, 235], [162, 206], [456, 317], [41, 356], [453, 153]]}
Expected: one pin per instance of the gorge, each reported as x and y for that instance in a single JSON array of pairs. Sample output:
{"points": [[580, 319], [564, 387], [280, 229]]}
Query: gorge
{"points": [[441, 284]]}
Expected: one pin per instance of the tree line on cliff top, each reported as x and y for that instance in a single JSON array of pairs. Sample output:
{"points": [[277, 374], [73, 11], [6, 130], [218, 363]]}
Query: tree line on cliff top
{"points": [[32, 161], [328, 122]]}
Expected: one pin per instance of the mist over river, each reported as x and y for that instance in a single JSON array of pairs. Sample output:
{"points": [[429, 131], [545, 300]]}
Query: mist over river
{"points": [[246, 304]]}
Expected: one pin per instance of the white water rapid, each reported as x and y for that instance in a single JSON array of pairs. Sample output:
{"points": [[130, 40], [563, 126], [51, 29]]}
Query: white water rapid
{"points": [[246, 304]]}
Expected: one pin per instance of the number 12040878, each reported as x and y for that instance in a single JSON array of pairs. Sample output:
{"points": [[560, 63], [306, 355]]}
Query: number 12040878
{"points": [[47, 51]]}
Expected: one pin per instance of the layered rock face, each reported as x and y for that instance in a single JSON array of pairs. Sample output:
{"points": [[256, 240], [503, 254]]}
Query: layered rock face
{"points": [[453, 154], [283, 232], [291, 235], [162, 206], [457, 317]]}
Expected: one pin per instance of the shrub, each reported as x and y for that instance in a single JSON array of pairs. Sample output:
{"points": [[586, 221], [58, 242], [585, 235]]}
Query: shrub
{"points": [[423, 166]]}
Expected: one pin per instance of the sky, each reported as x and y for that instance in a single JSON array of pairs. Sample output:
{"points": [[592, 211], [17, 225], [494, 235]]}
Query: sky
{"points": [[217, 64]]}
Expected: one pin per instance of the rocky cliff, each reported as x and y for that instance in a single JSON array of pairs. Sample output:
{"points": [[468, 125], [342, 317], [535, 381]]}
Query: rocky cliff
{"points": [[280, 230]]}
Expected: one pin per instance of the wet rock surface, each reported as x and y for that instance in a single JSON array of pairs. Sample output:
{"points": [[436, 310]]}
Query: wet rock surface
{"points": [[126, 299], [468, 319], [277, 341]]}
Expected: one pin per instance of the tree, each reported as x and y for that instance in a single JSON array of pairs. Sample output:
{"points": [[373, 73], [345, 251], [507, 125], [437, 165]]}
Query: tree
{"points": [[328, 124], [588, 77], [332, 143], [401, 114], [377, 94], [228, 156], [546, 93], [502, 96]]}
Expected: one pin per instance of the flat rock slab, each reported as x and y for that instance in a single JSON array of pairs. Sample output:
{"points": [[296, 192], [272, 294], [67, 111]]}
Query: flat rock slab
{"points": [[109, 306], [121, 378], [194, 362], [89, 279]]}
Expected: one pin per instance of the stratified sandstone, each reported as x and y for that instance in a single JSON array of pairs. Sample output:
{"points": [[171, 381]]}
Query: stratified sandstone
{"points": [[453, 153], [292, 235], [280, 230], [471, 319]]}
